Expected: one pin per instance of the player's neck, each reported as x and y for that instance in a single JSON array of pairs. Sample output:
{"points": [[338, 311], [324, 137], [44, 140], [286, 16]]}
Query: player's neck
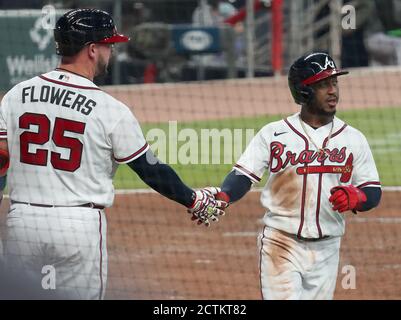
{"points": [[315, 120], [78, 68]]}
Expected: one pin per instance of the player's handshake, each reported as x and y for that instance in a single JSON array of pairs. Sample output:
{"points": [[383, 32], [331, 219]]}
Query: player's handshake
{"points": [[208, 205]]}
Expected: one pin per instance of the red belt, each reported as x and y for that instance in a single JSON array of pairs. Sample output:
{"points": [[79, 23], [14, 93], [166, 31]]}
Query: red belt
{"points": [[86, 205]]}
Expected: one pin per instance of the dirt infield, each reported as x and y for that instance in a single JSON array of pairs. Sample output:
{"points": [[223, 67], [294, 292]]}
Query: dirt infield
{"points": [[156, 252]]}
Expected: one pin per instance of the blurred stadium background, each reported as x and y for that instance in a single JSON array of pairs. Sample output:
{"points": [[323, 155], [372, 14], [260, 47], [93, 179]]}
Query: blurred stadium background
{"points": [[188, 68]]}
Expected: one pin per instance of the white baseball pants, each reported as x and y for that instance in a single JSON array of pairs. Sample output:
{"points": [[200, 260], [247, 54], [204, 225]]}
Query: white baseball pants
{"points": [[56, 253], [297, 270]]}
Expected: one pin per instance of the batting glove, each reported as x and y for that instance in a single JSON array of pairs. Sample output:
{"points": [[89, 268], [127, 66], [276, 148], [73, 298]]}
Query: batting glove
{"points": [[205, 207], [344, 198], [221, 198]]}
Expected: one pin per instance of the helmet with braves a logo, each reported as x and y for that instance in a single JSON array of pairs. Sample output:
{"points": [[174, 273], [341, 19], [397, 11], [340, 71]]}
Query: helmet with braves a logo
{"points": [[307, 70], [80, 27]]}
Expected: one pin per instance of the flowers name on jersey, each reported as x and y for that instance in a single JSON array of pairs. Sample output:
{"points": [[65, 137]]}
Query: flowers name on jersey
{"points": [[280, 158]]}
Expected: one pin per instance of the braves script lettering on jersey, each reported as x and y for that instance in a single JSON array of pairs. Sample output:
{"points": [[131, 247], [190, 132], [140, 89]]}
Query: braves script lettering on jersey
{"points": [[301, 177], [296, 197], [66, 138]]}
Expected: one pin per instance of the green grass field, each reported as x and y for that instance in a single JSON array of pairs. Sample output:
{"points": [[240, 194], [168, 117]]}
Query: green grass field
{"points": [[382, 128]]}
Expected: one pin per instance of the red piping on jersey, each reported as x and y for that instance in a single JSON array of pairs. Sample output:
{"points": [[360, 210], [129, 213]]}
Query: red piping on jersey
{"points": [[301, 224], [68, 84], [132, 155], [369, 183], [334, 134], [319, 190], [101, 256], [248, 172], [260, 261]]}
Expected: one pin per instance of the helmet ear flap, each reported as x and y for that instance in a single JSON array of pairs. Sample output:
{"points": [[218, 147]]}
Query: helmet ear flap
{"points": [[304, 93], [307, 93]]}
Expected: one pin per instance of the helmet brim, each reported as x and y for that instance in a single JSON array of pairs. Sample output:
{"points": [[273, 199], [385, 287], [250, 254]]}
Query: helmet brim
{"points": [[115, 38], [323, 75]]}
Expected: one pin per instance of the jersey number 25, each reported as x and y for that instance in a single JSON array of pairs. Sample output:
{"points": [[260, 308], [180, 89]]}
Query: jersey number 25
{"points": [[42, 136]]}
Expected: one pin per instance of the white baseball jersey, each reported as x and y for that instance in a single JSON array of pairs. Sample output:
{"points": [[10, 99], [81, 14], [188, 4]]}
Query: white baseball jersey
{"points": [[297, 192], [66, 138]]}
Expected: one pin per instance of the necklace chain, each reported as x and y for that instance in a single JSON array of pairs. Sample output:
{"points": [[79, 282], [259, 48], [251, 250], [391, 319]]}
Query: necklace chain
{"points": [[321, 150]]}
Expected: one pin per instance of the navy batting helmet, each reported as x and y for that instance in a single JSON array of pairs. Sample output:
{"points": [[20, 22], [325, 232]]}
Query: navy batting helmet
{"points": [[80, 27], [307, 70]]}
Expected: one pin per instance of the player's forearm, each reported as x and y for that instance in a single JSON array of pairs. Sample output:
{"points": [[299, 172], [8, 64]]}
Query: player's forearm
{"points": [[236, 185], [373, 196], [162, 178]]}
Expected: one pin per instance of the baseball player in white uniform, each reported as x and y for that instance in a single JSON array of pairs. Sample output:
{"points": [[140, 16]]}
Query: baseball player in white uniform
{"points": [[319, 167], [65, 139]]}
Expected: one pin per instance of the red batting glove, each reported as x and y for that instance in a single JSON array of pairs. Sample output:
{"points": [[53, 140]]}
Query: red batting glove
{"points": [[344, 198], [223, 200]]}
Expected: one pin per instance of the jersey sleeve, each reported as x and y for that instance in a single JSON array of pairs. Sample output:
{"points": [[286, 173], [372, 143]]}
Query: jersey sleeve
{"points": [[127, 139], [364, 171], [254, 161]]}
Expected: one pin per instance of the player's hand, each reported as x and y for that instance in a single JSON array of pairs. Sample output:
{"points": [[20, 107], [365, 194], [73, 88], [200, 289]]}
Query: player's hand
{"points": [[223, 200], [205, 207], [221, 197], [344, 198]]}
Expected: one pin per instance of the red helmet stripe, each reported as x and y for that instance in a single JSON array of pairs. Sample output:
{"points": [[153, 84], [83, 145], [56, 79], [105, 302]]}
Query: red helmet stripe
{"points": [[115, 38], [323, 75]]}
